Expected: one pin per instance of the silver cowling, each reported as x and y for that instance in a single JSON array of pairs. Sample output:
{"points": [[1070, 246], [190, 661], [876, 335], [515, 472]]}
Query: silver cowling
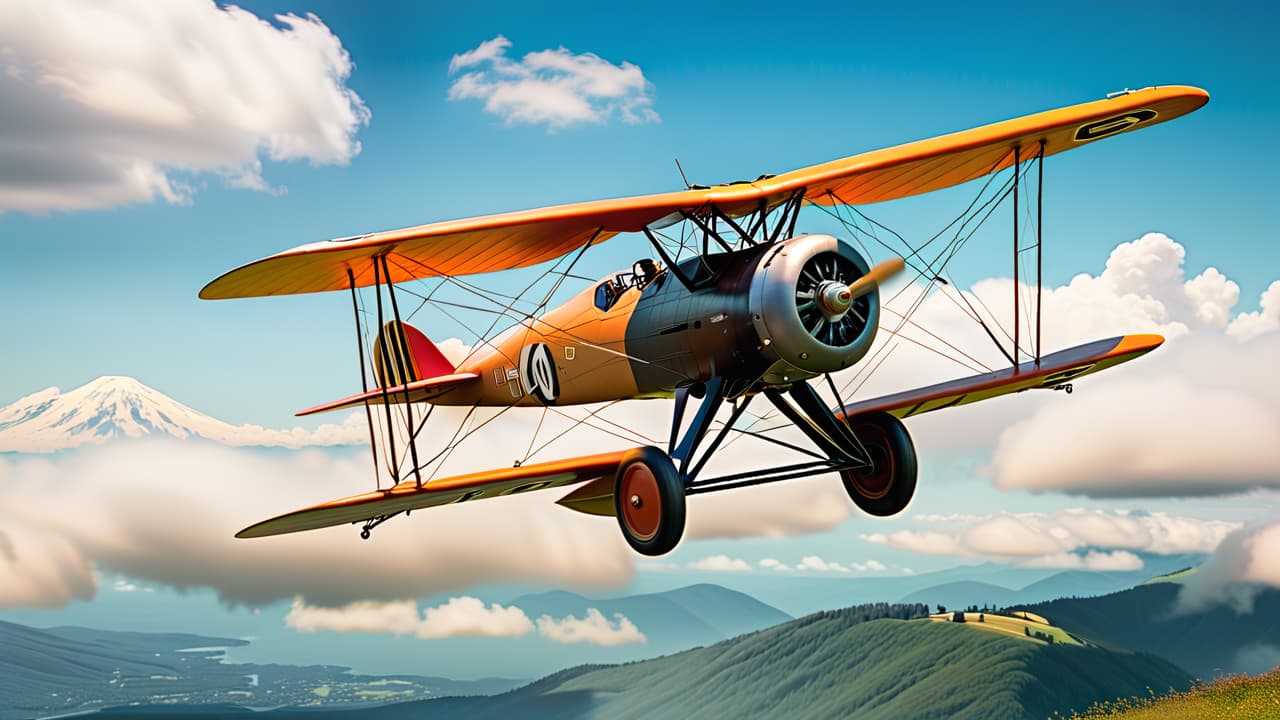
{"points": [[803, 312]]}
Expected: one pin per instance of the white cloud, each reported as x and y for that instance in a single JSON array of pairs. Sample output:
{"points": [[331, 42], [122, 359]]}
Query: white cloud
{"points": [[817, 564], [926, 543], [555, 88], [721, 563], [1073, 538], [1116, 560], [116, 103], [1200, 419], [460, 617], [1194, 417], [593, 628], [1264, 320], [773, 564], [1247, 561], [144, 509], [876, 566]]}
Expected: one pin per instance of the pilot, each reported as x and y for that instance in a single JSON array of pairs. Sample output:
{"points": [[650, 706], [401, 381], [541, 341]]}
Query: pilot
{"points": [[645, 271]]}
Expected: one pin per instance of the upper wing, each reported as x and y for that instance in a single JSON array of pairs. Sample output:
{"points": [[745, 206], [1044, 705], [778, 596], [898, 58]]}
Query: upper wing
{"points": [[461, 488], [1055, 369], [520, 239]]}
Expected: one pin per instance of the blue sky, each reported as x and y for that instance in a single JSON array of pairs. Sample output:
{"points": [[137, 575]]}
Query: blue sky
{"points": [[755, 90]]}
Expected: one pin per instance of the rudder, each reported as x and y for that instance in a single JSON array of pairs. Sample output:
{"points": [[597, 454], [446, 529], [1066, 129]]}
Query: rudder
{"points": [[402, 354]]}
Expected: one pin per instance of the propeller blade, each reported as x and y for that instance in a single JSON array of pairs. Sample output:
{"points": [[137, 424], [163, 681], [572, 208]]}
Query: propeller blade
{"points": [[878, 274]]}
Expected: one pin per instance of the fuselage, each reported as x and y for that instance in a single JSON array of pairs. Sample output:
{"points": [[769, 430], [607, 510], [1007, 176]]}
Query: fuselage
{"points": [[643, 333]]}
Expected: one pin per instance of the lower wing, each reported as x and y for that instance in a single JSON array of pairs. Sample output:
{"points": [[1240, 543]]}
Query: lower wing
{"points": [[444, 491], [1053, 370]]}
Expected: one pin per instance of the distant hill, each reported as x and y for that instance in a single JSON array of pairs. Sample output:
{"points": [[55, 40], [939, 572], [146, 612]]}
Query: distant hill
{"points": [[1205, 643], [1064, 584], [671, 621], [70, 669], [826, 665]]}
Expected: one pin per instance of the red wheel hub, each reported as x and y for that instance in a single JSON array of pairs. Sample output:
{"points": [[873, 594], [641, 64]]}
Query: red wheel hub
{"points": [[641, 501]]}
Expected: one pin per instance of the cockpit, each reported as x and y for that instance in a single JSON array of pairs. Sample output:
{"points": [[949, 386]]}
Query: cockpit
{"points": [[643, 272]]}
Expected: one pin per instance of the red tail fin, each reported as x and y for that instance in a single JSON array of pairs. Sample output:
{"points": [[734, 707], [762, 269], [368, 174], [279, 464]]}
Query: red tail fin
{"points": [[412, 356]]}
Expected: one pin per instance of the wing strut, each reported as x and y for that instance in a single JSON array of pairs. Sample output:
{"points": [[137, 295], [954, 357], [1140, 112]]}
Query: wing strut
{"points": [[364, 380], [400, 360]]}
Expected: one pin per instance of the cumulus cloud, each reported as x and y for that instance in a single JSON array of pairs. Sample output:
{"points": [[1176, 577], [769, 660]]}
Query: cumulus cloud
{"points": [[721, 563], [1073, 538], [125, 102], [593, 629], [460, 617], [144, 509], [556, 88], [773, 564], [1195, 417], [1200, 420], [817, 564], [1264, 320]]}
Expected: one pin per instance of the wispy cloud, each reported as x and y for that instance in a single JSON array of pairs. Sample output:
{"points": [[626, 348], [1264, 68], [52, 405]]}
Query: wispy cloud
{"points": [[556, 88]]}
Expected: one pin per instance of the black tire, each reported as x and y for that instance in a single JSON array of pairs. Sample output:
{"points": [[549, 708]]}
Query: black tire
{"points": [[648, 500], [888, 486]]}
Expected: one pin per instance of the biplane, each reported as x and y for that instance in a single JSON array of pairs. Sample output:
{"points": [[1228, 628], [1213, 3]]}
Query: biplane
{"points": [[739, 308]]}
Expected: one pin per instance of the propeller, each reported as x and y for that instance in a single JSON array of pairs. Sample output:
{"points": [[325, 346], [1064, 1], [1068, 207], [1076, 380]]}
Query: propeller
{"points": [[874, 279]]}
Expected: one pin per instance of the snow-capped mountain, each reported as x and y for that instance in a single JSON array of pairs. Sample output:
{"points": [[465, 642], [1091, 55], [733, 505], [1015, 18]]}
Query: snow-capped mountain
{"points": [[113, 407]]}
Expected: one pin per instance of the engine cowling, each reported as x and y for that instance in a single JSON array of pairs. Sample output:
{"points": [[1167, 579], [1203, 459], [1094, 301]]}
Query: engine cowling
{"points": [[803, 312]]}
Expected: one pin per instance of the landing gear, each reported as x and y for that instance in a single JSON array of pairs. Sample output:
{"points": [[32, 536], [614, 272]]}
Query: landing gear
{"points": [[887, 485], [648, 499]]}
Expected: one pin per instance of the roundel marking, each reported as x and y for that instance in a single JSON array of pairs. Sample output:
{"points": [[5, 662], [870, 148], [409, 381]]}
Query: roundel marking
{"points": [[1112, 125], [539, 372]]}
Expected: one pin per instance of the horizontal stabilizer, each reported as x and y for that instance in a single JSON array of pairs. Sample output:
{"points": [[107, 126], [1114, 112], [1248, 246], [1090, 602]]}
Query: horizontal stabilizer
{"points": [[1054, 370], [416, 391], [442, 491]]}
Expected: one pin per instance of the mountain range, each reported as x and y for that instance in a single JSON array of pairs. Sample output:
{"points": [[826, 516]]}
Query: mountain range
{"points": [[834, 664], [113, 407]]}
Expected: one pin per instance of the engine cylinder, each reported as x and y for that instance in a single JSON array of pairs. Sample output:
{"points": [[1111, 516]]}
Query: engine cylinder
{"points": [[807, 321]]}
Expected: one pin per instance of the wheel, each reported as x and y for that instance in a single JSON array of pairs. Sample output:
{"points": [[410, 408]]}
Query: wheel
{"points": [[648, 498], [886, 487]]}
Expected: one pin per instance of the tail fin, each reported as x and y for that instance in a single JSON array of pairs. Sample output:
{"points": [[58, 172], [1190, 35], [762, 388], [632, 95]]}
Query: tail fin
{"points": [[402, 354]]}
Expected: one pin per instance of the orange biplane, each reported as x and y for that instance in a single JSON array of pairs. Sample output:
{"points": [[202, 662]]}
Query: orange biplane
{"points": [[739, 307]]}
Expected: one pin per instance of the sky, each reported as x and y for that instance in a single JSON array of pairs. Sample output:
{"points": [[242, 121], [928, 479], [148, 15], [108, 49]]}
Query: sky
{"points": [[138, 164]]}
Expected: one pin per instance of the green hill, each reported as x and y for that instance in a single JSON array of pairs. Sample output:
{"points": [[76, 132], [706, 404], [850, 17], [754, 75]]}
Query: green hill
{"points": [[1205, 643], [831, 664]]}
